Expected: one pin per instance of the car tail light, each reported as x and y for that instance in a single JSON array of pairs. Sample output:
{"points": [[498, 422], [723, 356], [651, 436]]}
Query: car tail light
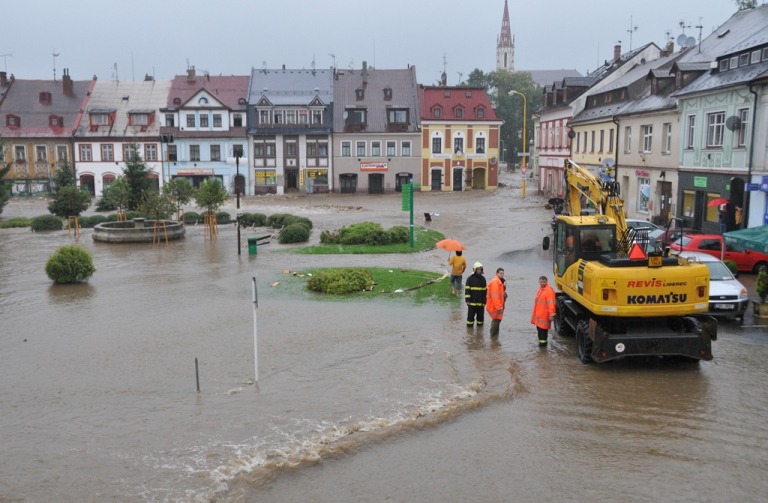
{"points": [[702, 291], [605, 294]]}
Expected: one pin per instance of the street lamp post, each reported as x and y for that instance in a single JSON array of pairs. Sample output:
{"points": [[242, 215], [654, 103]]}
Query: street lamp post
{"points": [[238, 152], [525, 113]]}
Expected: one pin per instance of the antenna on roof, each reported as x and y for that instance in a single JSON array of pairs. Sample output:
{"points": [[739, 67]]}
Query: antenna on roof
{"points": [[699, 26], [313, 61], [333, 55], [55, 55], [632, 28], [5, 61], [445, 63], [351, 64], [460, 74], [115, 75]]}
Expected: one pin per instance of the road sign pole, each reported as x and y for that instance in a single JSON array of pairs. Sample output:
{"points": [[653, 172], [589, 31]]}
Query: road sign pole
{"points": [[410, 198]]}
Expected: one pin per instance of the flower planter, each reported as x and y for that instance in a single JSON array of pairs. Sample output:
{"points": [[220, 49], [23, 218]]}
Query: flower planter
{"points": [[760, 309]]}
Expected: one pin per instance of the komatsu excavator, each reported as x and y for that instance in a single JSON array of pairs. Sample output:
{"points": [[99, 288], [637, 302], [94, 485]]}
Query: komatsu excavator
{"points": [[616, 297]]}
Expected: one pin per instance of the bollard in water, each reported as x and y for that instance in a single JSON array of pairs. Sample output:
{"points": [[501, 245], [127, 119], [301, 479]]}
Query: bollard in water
{"points": [[197, 376]]}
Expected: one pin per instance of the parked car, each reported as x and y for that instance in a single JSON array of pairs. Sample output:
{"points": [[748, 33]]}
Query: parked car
{"points": [[712, 244], [631, 222], [661, 237], [727, 296]]}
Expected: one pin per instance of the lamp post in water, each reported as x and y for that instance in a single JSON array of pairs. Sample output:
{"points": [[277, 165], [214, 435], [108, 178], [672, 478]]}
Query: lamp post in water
{"points": [[525, 144], [237, 151]]}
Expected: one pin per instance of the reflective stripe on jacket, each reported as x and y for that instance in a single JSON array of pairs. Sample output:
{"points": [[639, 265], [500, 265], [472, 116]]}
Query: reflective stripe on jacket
{"points": [[543, 307], [495, 298], [474, 293]]}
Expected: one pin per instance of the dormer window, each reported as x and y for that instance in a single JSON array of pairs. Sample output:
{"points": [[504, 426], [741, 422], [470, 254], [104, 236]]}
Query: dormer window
{"points": [[99, 119], [447, 94], [459, 113], [356, 116], [481, 113], [723, 65], [654, 85], [608, 98], [45, 98], [744, 59], [55, 121], [360, 93], [387, 94], [138, 119], [734, 63], [679, 80], [397, 116], [436, 112], [469, 94], [12, 120], [177, 101]]}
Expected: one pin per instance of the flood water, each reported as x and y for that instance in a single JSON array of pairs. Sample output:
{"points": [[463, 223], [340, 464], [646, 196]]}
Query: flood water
{"points": [[356, 400]]}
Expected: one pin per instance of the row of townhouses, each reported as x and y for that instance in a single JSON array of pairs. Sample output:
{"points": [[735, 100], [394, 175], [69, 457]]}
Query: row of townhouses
{"points": [[272, 132], [681, 128]]}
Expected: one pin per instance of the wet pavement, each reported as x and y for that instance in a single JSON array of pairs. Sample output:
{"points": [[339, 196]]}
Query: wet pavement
{"points": [[357, 400]]}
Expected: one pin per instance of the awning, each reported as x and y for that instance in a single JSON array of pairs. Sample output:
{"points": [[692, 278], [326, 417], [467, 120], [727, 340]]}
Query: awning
{"points": [[754, 238]]}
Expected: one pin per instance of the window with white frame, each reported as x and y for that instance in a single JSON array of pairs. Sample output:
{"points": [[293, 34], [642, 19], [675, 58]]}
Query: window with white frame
{"points": [[20, 153], [584, 147], [557, 135], [346, 149], [139, 119], [317, 116], [690, 129], [237, 120], [647, 139], [437, 145], [602, 140], [628, 139], [458, 145], [741, 136], [215, 152], [610, 140], [169, 120], [576, 146], [107, 152], [190, 120], [277, 117], [405, 149], [592, 142], [643, 194], [150, 152], [129, 151], [264, 117], [480, 145], [398, 116], [100, 119], [172, 153], [290, 117], [667, 137], [85, 152], [41, 153], [194, 152], [376, 148], [715, 129], [360, 148], [203, 120], [216, 120], [303, 116], [61, 153], [290, 148], [391, 148]]}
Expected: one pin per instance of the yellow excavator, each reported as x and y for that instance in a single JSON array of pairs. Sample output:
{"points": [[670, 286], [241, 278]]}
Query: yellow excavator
{"points": [[615, 296]]}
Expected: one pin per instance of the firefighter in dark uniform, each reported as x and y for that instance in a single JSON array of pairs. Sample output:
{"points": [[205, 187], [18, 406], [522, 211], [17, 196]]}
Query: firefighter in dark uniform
{"points": [[475, 295]]}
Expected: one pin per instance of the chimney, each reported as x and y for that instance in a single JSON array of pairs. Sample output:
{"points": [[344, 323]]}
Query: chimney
{"points": [[616, 52], [671, 47], [67, 82], [3, 79], [283, 67], [148, 77], [191, 74], [444, 80], [365, 73]]}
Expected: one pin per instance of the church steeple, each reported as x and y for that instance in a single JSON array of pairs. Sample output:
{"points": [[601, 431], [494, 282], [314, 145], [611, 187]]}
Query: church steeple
{"points": [[505, 44]]}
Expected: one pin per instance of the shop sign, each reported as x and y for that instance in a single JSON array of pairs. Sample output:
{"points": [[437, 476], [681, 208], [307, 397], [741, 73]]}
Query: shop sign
{"points": [[313, 173], [195, 171], [754, 186], [441, 156], [373, 166], [700, 181], [642, 174], [477, 156]]}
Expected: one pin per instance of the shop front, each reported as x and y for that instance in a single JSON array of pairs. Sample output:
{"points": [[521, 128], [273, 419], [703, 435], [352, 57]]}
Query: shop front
{"points": [[697, 190]]}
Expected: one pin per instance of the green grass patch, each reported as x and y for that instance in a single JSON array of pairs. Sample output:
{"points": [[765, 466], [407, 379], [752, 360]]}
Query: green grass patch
{"points": [[423, 239], [412, 286], [16, 222]]}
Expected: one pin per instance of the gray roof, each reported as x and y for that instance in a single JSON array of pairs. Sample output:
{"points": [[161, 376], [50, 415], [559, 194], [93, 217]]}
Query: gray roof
{"points": [[579, 81], [405, 95], [604, 70], [649, 103], [637, 73], [711, 81], [548, 77], [745, 29], [291, 87], [700, 66], [108, 96]]}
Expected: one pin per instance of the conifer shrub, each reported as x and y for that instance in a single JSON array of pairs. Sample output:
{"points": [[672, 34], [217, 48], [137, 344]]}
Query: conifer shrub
{"points": [[46, 223], [295, 233], [341, 281], [69, 264], [731, 265]]}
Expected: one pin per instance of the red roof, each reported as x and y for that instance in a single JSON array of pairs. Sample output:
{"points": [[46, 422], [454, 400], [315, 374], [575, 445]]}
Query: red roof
{"points": [[436, 96], [228, 90]]}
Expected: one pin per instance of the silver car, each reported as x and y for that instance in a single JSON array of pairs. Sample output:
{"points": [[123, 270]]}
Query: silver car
{"points": [[727, 296]]}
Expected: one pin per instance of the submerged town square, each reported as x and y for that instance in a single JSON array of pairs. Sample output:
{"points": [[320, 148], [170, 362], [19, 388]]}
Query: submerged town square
{"points": [[238, 288]]}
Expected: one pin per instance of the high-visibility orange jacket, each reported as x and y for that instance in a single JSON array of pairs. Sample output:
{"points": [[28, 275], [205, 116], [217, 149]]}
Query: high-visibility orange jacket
{"points": [[543, 307], [494, 303]]}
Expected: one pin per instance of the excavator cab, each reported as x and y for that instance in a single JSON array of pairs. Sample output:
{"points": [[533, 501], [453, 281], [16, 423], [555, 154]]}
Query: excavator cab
{"points": [[583, 240]]}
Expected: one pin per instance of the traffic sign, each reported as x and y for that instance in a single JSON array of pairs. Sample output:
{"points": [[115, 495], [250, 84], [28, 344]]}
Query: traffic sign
{"points": [[523, 170]]}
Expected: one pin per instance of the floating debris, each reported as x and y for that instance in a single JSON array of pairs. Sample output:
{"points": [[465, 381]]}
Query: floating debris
{"points": [[275, 283]]}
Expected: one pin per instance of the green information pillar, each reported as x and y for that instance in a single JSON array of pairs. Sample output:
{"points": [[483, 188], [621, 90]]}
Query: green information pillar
{"points": [[407, 193]]}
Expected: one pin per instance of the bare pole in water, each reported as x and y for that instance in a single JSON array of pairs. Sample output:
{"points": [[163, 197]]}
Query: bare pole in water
{"points": [[197, 376], [255, 339]]}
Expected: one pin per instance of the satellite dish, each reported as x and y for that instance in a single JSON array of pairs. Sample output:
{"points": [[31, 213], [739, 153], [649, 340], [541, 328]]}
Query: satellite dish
{"points": [[494, 159], [571, 134], [608, 163], [345, 114], [681, 40], [352, 64], [733, 123], [689, 42]]}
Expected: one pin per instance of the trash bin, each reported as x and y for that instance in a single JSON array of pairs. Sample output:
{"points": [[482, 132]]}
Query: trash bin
{"points": [[252, 248]]}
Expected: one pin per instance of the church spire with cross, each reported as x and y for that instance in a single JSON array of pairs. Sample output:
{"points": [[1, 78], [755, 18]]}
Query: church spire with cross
{"points": [[505, 44]]}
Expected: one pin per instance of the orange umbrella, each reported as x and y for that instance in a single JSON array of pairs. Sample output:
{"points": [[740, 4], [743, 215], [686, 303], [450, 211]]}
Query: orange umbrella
{"points": [[450, 245]]}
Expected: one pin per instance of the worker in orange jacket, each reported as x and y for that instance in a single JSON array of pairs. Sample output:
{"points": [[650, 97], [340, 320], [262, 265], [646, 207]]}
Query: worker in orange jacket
{"points": [[496, 297], [544, 309]]}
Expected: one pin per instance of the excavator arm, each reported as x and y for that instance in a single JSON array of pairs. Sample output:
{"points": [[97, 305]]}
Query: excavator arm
{"points": [[604, 195]]}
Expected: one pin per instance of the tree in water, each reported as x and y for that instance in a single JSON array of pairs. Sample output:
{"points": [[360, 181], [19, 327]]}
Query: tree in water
{"points": [[136, 173], [211, 195], [179, 192], [117, 195], [68, 199]]}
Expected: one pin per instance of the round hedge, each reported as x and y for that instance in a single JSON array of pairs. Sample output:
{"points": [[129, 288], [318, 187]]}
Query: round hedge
{"points": [[731, 265], [47, 223], [300, 220], [222, 217], [191, 216], [69, 264], [15, 222], [257, 219], [279, 219], [295, 233]]}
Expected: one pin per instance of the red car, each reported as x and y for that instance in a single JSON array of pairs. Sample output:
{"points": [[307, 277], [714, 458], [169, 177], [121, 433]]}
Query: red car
{"points": [[712, 244]]}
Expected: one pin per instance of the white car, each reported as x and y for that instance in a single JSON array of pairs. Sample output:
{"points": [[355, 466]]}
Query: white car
{"points": [[727, 296]]}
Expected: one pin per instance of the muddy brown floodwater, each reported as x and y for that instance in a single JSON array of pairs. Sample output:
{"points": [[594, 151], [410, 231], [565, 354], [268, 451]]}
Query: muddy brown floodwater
{"points": [[357, 400]]}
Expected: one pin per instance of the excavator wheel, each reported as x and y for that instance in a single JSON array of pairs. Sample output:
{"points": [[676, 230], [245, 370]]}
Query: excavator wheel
{"points": [[562, 327], [583, 342]]}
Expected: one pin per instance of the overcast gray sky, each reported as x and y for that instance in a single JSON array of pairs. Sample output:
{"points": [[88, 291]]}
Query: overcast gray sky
{"points": [[229, 36]]}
